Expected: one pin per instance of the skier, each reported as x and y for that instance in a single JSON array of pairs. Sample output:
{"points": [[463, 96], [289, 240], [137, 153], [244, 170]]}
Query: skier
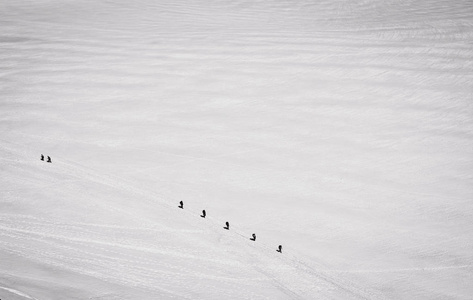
{"points": [[227, 226], [203, 214], [49, 160], [181, 204], [42, 157], [254, 237], [279, 249]]}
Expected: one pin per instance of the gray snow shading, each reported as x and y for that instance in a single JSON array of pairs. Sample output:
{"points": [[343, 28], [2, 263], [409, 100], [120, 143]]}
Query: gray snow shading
{"points": [[342, 130]]}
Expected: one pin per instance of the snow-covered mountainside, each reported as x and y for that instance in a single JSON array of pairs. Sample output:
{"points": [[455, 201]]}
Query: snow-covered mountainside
{"points": [[341, 130]]}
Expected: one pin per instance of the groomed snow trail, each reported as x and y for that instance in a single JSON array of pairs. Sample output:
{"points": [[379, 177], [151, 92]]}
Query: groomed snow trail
{"points": [[342, 130]]}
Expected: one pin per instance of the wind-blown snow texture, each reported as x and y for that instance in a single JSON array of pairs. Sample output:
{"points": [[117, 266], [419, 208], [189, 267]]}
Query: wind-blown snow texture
{"points": [[342, 130]]}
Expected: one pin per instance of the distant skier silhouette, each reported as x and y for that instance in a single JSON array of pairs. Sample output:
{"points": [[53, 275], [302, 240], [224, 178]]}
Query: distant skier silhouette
{"points": [[254, 237], [49, 160], [181, 204], [42, 157], [279, 249], [203, 214], [227, 226]]}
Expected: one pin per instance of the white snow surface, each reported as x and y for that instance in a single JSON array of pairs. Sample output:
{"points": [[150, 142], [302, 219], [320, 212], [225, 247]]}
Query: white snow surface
{"points": [[342, 130]]}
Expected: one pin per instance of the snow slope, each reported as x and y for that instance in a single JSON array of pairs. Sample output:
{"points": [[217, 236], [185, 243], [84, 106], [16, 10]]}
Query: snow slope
{"points": [[342, 130]]}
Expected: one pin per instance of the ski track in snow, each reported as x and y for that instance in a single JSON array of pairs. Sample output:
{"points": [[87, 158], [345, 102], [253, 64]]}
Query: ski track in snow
{"points": [[432, 269], [13, 291]]}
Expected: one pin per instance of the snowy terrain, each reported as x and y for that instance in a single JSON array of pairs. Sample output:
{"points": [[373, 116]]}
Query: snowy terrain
{"points": [[342, 130]]}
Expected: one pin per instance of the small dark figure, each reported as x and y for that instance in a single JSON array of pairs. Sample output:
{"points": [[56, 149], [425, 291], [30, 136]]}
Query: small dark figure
{"points": [[254, 237], [49, 160], [203, 214], [181, 204], [279, 249], [227, 226], [42, 157]]}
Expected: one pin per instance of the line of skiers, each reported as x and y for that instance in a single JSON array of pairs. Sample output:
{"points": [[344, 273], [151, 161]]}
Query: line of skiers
{"points": [[203, 215], [49, 158], [227, 225]]}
